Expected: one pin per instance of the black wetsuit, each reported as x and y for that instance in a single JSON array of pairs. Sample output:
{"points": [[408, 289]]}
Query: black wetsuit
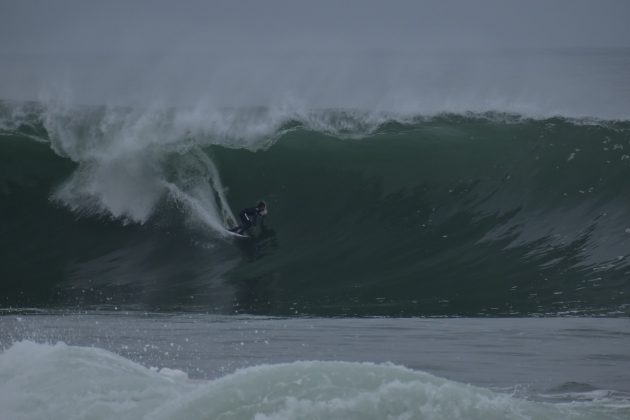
{"points": [[249, 217]]}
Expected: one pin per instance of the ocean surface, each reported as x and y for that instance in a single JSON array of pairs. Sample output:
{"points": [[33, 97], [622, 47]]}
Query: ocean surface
{"points": [[460, 261], [130, 365]]}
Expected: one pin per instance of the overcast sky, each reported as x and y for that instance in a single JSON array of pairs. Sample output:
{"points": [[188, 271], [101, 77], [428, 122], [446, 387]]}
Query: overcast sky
{"points": [[361, 53], [66, 26]]}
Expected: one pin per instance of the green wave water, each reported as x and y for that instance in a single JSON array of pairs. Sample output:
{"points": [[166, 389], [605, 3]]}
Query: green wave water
{"points": [[474, 214]]}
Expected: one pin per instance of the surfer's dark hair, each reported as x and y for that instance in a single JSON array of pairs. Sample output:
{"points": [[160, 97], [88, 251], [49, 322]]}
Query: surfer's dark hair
{"points": [[261, 204]]}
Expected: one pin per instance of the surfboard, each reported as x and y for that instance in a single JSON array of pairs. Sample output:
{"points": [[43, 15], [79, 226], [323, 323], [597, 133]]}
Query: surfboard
{"points": [[238, 235], [230, 224]]}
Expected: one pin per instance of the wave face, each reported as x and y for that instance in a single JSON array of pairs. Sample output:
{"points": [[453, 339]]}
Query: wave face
{"points": [[36, 377], [370, 213]]}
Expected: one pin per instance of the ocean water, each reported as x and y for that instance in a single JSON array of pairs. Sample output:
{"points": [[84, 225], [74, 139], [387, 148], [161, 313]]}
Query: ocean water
{"points": [[475, 214], [431, 251], [101, 364]]}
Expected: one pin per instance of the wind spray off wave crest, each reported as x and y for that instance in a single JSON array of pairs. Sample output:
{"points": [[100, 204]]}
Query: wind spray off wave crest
{"points": [[130, 161]]}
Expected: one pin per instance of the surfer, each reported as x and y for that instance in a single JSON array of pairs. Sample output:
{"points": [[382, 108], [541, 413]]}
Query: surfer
{"points": [[249, 217]]}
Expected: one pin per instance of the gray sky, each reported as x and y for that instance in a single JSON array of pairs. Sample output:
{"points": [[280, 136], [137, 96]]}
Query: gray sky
{"points": [[63, 26], [320, 52]]}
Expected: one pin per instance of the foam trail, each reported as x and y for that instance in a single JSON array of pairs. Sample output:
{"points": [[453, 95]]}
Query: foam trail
{"points": [[197, 185], [218, 188], [202, 206]]}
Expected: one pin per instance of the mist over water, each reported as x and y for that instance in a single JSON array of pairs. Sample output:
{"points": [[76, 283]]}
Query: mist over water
{"points": [[570, 58]]}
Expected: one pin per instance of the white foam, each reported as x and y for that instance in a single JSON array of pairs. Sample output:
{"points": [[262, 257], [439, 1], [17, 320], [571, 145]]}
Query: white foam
{"points": [[40, 381], [129, 160]]}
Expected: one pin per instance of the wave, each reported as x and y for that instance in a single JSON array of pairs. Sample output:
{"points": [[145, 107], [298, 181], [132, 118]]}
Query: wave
{"points": [[371, 213], [43, 380]]}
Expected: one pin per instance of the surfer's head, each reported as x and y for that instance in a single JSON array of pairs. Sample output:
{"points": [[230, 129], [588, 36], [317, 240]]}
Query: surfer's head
{"points": [[261, 206]]}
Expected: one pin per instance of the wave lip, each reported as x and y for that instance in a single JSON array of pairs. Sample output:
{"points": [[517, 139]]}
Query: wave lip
{"points": [[61, 381]]}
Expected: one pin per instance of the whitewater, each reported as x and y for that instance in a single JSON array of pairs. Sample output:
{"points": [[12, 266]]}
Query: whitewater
{"points": [[130, 365]]}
